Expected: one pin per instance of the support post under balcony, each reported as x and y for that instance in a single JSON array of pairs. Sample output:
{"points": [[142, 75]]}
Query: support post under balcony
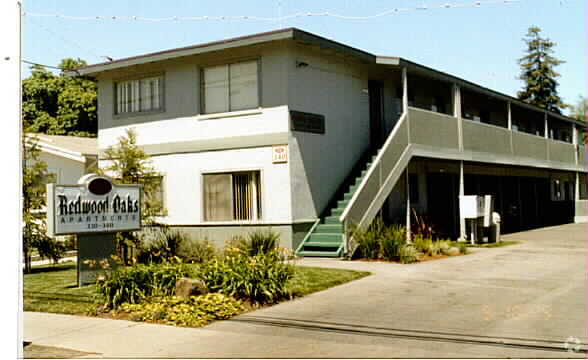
{"points": [[408, 232], [404, 90], [546, 127], [462, 224], [457, 114]]}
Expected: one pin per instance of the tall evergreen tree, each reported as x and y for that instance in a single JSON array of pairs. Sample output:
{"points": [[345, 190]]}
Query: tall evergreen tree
{"points": [[537, 71]]}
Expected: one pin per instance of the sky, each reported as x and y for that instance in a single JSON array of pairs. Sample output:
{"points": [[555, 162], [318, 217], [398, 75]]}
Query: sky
{"points": [[480, 44]]}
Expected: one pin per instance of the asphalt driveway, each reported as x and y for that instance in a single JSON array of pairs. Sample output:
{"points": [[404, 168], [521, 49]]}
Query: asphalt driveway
{"points": [[525, 301]]}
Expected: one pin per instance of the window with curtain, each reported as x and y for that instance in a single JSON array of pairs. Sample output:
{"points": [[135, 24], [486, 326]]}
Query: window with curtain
{"points": [[230, 87], [232, 196], [139, 95]]}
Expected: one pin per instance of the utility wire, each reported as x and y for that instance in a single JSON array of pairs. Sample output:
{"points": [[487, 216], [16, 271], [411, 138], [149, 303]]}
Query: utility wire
{"points": [[37, 64], [278, 18], [49, 66], [72, 43]]}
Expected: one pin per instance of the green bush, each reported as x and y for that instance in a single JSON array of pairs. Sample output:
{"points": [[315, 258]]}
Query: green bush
{"points": [[463, 248], [369, 240], [132, 284], [197, 251], [159, 244], [408, 254], [260, 279], [393, 238], [193, 311], [423, 245], [255, 242]]}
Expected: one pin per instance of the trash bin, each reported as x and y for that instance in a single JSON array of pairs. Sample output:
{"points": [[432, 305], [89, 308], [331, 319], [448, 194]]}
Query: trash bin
{"points": [[495, 228]]}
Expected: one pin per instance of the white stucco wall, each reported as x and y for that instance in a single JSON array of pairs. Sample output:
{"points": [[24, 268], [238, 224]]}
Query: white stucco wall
{"points": [[183, 193], [337, 89]]}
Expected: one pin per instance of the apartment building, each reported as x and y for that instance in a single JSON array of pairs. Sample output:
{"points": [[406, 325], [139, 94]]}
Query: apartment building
{"points": [[291, 131]]}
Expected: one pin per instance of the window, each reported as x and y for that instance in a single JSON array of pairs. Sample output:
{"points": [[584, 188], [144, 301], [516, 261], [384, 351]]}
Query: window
{"points": [[230, 87], [141, 95], [233, 196]]}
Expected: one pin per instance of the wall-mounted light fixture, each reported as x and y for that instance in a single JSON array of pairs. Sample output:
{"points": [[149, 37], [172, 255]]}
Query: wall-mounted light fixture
{"points": [[301, 64]]}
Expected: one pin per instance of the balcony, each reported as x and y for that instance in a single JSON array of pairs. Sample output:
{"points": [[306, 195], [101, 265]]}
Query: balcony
{"points": [[436, 134]]}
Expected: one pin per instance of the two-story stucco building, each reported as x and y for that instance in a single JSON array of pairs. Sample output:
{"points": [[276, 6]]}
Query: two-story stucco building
{"points": [[305, 135]]}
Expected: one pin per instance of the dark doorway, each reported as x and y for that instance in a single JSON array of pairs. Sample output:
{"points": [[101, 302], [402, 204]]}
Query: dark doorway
{"points": [[443, 191], [376, 94]]}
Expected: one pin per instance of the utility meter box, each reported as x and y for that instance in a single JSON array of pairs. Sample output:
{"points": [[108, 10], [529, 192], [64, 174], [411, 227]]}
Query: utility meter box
{"points": [[471, 206]]}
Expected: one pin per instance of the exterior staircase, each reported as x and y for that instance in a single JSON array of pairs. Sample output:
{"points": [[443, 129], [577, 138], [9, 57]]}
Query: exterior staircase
{"points": [[326, 238]]}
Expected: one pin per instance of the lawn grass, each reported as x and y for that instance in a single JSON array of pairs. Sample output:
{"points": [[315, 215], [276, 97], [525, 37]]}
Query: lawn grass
{"points": [[53, 289], [309, 279]]}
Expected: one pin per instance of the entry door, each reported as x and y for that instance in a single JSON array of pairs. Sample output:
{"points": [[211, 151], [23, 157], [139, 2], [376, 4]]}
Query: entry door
{"points": [[443, 211], [377, 129]]}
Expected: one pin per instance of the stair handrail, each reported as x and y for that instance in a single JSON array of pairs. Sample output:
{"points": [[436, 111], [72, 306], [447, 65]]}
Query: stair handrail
{"points": [[372, 167], [307, 235]]}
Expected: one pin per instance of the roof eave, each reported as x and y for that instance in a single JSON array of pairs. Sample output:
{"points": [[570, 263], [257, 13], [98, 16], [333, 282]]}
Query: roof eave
{"points": [[92, 70]]}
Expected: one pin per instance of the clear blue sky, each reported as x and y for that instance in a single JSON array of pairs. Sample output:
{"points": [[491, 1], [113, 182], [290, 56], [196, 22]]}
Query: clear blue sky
{"points": [[480, 44]]}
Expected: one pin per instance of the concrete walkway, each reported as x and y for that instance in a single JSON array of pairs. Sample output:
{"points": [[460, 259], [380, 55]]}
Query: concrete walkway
{"points": [[525, 300]]}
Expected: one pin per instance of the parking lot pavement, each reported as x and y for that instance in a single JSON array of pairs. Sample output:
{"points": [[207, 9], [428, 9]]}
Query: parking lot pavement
{"points": [[525, 300]]}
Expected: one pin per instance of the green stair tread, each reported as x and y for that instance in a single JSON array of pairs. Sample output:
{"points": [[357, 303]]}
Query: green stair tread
{"points": [[323, 244], [318, 253]]}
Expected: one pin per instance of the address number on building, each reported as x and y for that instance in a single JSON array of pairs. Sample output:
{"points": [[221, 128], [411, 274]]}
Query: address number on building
{"points": [[279, 154]]}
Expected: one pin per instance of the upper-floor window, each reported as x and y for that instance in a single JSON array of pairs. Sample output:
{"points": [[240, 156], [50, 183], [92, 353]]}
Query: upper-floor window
{"points": [[230, 87], [139, 95]]}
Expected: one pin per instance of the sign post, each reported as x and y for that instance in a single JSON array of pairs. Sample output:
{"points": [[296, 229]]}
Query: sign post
{"points": [[94, 209]]}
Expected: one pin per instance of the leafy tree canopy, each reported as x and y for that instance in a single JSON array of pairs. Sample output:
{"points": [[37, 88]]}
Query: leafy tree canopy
{"points": [[34, 179], [60, 104], [538, 74]]}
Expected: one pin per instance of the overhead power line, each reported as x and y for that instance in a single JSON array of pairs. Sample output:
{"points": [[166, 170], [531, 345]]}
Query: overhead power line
{"points": [[277, 18], [49, 66], [37, 64]]}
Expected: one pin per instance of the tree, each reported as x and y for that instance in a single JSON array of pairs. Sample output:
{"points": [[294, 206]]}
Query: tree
{"points": [[129, 164], [538, 74], [578, 112], [34, 180], [60, 104]]}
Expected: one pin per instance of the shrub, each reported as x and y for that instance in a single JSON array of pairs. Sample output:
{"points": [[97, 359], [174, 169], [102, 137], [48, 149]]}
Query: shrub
{"points": [[256, 242], [197, 251], [160, 244], [260, 279], [392, 240], [193, 311], [368, 240], [424, 245], [444, 246], [463, 248], [408, 254], [134, 283]]}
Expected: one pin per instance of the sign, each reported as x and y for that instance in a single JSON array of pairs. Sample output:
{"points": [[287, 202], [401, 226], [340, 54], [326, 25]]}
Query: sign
{"points": [[471, 206], [280, 154], [94, 205], [307, 122]]}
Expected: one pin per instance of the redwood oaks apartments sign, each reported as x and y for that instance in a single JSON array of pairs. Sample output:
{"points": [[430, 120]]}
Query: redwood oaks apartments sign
{"points": [[94, 205]]}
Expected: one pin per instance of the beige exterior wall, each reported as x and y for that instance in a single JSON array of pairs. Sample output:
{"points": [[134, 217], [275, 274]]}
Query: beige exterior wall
{"points": [[68, 171], [336, 88]]}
